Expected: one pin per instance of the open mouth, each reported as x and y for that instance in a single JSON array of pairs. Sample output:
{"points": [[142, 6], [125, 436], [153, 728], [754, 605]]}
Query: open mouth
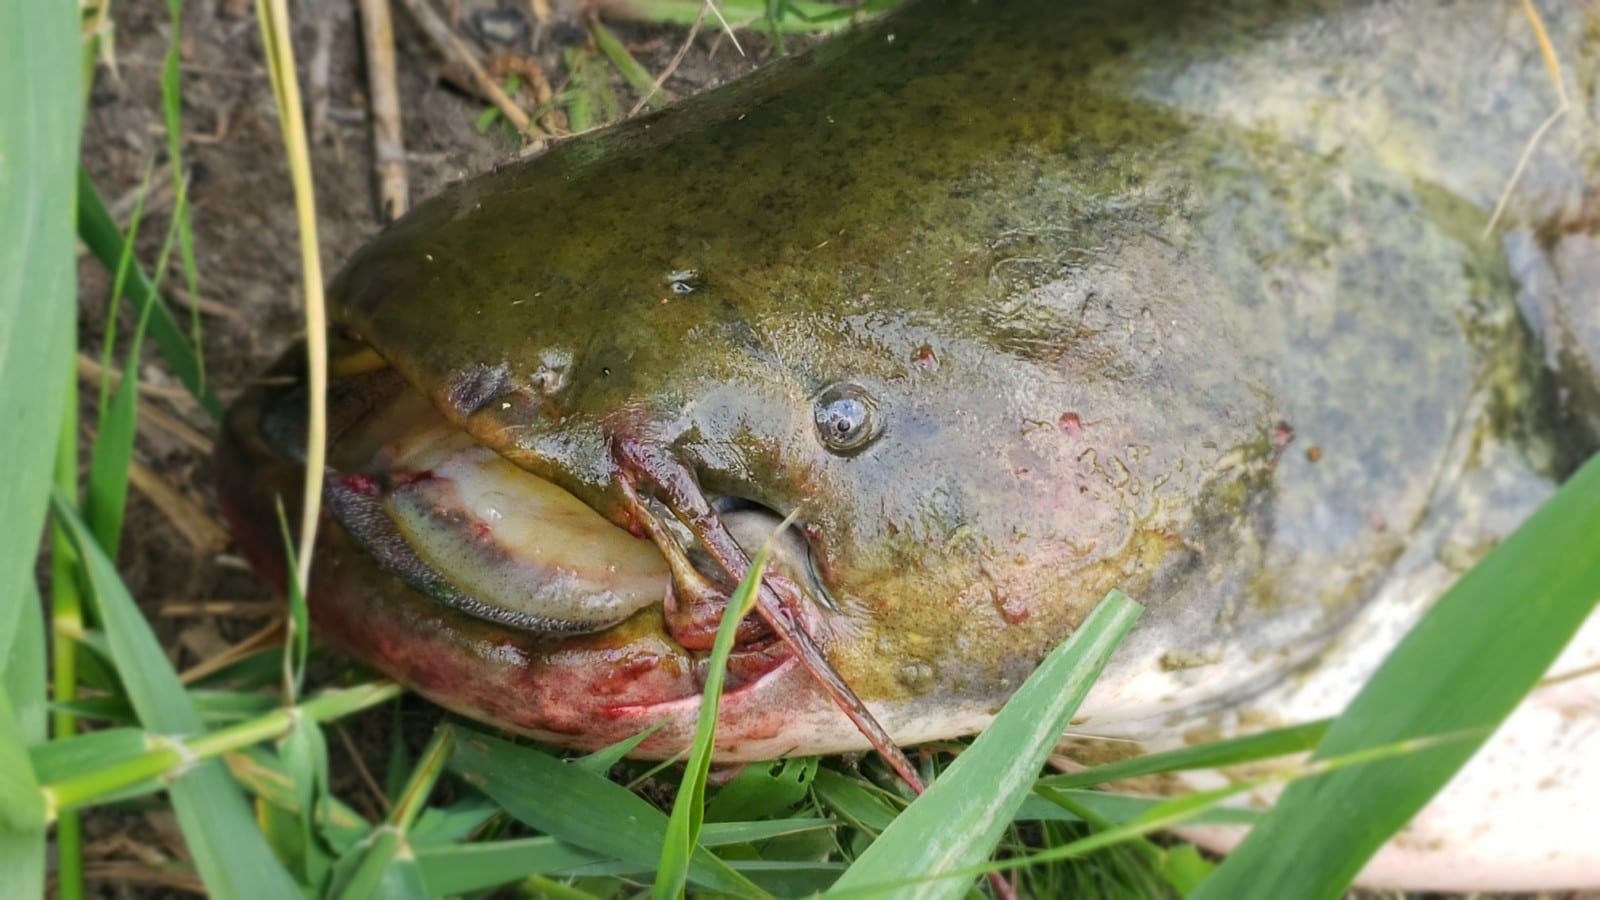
{"points": [[461, 525], [499, 594]]}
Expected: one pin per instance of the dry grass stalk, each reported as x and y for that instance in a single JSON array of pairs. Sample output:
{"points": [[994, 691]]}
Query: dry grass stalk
{"points": [[270, 635], [89, 369], [197, 527], [459, 53], [388, 140], [154, 418]]}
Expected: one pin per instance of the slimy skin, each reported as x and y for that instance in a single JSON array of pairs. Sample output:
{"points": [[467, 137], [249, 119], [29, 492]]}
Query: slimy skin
{"points": [[1008, 304]]}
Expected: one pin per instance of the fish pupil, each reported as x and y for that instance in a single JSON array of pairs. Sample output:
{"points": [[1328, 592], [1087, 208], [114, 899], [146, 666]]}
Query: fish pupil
{"points": [[844, 417]]}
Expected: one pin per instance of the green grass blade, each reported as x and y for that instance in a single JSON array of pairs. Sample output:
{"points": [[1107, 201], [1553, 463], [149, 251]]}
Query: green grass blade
{"points": [[297, 644], [1464, 666], [638, 78], [1120, 808], [719, 834], [1252, 748], [172, 113], [66, 629], [66, 757], [580, 98], [152, 685], [850, 799], [119, 281], [384, 864], [465, 868], [106, 499], [100, 233], [808, 17], [959, 819], [214, 707], [263, 774], [22, 812], [23, 672], [580, 807], [1184, 809], [22, 861], [41, 95], [304, 753], [442, 825], [23, 719], [689, 807], [1140, 847], [601, 761], [228, 849]]}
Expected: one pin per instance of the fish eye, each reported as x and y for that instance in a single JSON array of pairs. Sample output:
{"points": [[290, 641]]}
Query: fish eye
{"points": [[846, 417]]}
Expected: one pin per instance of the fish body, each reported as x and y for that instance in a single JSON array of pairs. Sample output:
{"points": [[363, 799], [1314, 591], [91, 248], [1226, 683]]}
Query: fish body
{"points": [[1002, 305]]}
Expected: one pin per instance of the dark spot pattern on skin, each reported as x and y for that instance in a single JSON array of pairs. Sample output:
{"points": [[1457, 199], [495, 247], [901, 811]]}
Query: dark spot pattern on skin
{"points": [[477, 386]]}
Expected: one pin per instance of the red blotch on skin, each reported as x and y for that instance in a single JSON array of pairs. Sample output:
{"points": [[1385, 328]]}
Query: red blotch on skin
{"points": [[619, 677], [359, 483], [1012, 610]]}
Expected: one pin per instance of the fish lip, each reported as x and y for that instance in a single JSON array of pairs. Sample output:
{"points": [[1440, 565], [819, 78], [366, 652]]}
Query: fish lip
{"points": [[690, 703]]}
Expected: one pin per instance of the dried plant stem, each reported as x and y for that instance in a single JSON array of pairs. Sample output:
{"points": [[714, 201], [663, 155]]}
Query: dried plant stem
{"points": [[388, 140], [457, 51], [274, 18], [204, 535], [677, 59], [1552, 64], [320, 69]]}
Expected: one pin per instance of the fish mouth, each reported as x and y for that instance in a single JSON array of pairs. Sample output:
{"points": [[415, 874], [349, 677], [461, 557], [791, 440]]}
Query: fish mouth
{"points": [[499, 595]]}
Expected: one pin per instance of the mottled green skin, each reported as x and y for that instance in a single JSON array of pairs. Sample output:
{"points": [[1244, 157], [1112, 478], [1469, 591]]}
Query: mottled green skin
{"points": [[1181, 224]]}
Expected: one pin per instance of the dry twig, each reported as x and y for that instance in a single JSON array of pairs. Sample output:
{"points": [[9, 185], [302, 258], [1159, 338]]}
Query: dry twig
{"points": [[270, 635], [175, 877], [388, 140], [238, 609], [1553, 64], [364, 773], [205, 305], [460, 53], [320, 68], [191, 520], [154, 418], [677, 59], [89, 370]]}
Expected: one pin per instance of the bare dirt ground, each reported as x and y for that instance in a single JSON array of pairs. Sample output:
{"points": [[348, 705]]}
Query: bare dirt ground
{"points": [[175, 558]]}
